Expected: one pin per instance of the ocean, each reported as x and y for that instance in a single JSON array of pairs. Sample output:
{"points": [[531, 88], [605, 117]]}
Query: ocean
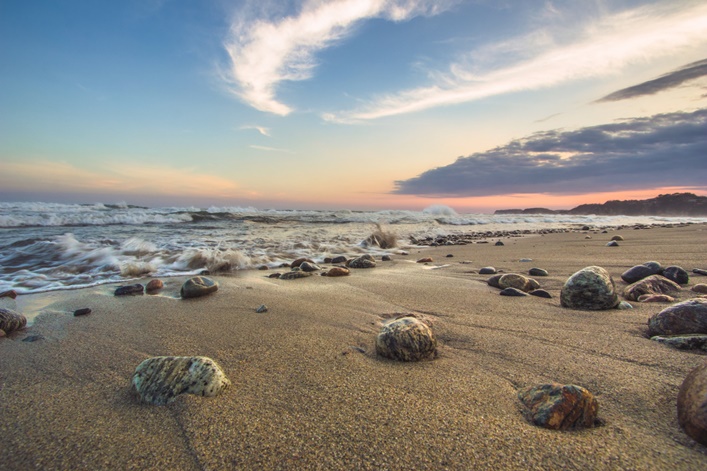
{"points": [[49, 246]]}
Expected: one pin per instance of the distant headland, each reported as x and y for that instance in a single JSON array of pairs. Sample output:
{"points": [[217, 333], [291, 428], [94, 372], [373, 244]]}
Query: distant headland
{"points": [[676, 204]]}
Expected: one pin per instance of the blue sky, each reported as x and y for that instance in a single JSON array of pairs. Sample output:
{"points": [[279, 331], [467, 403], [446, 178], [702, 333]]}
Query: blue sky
{"points": [[355, 104]]}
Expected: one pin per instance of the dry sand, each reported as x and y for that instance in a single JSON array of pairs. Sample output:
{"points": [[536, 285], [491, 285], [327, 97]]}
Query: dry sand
{"points": [[309, 391]]}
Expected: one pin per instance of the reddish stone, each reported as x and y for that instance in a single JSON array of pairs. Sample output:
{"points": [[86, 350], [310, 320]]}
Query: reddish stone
{"points": [[559, 407], [692, 404]]}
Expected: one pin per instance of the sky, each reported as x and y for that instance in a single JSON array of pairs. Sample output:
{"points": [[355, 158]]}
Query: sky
{"points": [[357, 104]]}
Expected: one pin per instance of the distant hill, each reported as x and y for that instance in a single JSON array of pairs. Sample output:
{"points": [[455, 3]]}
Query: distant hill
{"points": [[676, 204]]}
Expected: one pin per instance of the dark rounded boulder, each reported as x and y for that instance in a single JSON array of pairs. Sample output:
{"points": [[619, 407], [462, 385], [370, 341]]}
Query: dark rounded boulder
{"points": [[591, 288], [692, 404], [487, 271], [677, 274], [687, 317], [639, 272]]}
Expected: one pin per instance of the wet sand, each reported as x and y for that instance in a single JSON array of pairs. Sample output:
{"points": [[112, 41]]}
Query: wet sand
{"points": [[309, 392]]}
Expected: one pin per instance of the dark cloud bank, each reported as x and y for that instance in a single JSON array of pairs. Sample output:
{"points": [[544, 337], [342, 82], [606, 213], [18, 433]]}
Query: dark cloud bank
{"points": [[656, 151], [672, 79]]}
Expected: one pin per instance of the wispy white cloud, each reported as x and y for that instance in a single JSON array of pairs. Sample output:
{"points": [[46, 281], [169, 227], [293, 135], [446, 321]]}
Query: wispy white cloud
{"points": [[265, 52], [270, 149], [261, 129], [541, 60]]}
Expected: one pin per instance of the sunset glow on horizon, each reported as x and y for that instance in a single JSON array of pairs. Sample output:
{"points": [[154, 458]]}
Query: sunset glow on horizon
{"points": [[348, 104]]}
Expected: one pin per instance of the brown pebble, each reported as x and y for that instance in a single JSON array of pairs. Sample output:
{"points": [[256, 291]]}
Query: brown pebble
{"points": [[9, 294], [338, 271], [263, 267], [154, 285], [655, 298], [425, 260], [700, 288]]}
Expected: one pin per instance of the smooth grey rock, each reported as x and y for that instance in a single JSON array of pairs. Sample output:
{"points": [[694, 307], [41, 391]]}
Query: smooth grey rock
{"points": [[159, 380], [493, 281], [639, 272], [309, 267], [623, 305], [263, 308], [541, 293], [591, 288], [677, 274], [198, 286], [537, 272], [613, 243], [82, 312], [512, 292], [487, 271]]}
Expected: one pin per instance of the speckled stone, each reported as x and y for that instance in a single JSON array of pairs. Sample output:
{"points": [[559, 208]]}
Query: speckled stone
{"points": [[613, 243], [692, 404], [198, 286], [687, 317], [129, 290], [655, 298], [293, 275], [11, 321], [654, 284], [514, 280], [559, 407], [591, 288], [406, 339], [683, 342], [364, 261], [159, 380]]}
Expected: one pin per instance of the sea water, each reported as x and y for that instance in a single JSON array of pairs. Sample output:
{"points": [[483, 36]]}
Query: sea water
{"points": [[48, 246]]}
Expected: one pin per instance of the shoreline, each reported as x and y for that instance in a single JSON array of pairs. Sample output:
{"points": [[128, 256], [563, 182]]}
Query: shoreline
{"points": [[308, 390]]}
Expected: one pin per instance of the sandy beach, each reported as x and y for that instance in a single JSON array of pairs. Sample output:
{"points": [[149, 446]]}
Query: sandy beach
{"points": [[309, 392]]}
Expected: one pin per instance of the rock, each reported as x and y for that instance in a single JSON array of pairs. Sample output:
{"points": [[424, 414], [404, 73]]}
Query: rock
{"points": [[386, 258], [493, 281], [154, 285], [590, 288], [640, 272], [129, 290], [677, 274], [687, 317], [11, 321], [275, 275], [159, 380], [559, 407], [406, 339], [617, 238], [613, 243], [263, 267], [449, 255], [586, 228], [82, 312], [537, 272], [339, 259], [699, 271], [198, 286], [9, 294], [655, 298], [425, 260], [587, 237], [623, 305], [33, 338], [487, 271], [499, 243], [299, 262], [700, 288], [309, 267], [654, 284], [512, 292], [364, 261], [263, 308], [513, 280], [293, 275], [338, 271], [525, 260], [541, 293], [692, 404], [683, 342]]}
